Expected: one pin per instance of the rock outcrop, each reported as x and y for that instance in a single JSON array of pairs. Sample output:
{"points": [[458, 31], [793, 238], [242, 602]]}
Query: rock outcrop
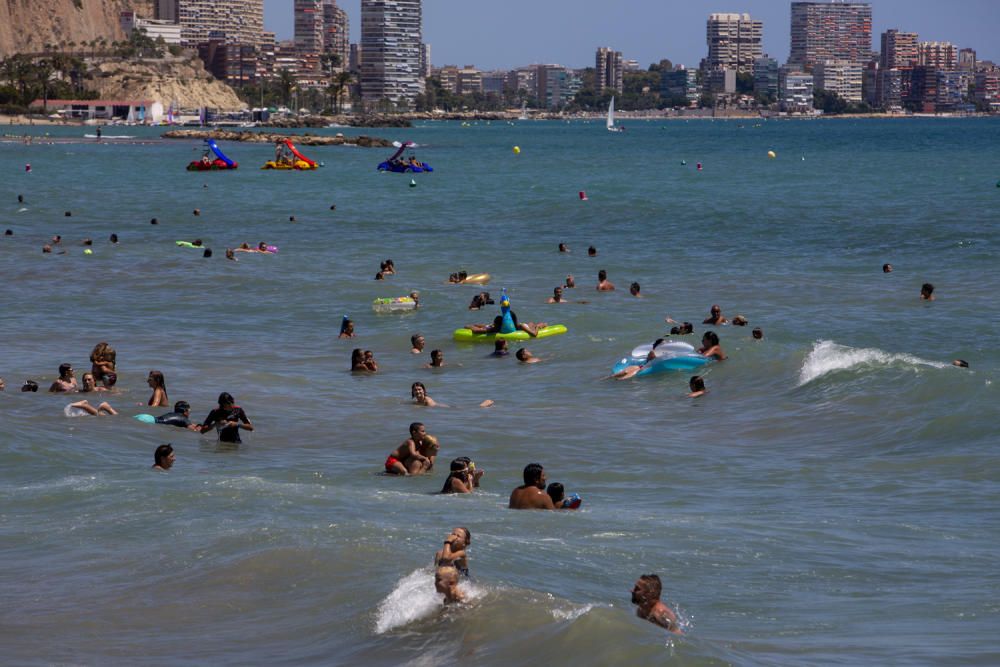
{"points": [[182, 81], [269, 138], [26, 26]]}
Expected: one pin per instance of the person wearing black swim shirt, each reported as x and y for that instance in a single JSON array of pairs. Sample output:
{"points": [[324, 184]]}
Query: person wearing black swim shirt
{"points": [[180, 417], [228, 418]]}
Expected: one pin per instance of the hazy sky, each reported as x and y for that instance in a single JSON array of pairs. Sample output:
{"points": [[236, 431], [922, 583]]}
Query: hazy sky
{"points": [[501, 34]]}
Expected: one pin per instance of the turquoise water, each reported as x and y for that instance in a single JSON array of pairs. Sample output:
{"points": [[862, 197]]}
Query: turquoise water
{"points": [[831, 500]]}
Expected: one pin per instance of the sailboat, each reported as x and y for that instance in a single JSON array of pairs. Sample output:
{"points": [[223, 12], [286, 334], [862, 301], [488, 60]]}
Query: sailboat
{"points": [[611, 117], [524, 111]]}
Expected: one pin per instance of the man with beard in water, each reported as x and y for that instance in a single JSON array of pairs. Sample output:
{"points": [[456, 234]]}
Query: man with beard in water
{"points": [[646, 596], [531, 495]]}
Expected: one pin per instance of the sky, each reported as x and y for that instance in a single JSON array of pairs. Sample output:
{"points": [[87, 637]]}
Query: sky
{"points": [[502, 34]]}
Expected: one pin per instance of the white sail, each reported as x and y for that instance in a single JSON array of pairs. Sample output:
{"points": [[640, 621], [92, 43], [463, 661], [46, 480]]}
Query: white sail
{"points": [[611, 117], [524, 110]]}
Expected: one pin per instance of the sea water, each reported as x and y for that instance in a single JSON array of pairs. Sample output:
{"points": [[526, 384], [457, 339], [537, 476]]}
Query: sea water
{"points": [[832, 499]]}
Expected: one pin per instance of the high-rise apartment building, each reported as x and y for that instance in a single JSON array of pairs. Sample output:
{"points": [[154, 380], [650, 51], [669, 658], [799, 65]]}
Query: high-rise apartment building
{"points": [[967, 60], [166, 10], [899, 50], [734, 41], [336, 33], [609, 71], [233, 21], [391, 43], [308, 33], [425, 61], [555, 85], [795, 90], [765, 76], [830, 31], [840, 77], [678, 83], [942, 55]]}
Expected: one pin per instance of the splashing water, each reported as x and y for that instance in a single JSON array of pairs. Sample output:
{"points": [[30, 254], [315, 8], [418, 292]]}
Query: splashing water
{"points": [[414, 598], [827, 357]]}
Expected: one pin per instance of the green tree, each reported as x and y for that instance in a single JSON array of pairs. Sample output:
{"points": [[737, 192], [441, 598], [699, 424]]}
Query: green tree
{"points": [[744, 83]]}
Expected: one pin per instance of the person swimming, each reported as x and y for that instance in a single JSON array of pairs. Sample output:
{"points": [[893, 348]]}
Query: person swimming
{"points": [[451, 560], [227, 419], [710, 346], [697, 386], [164, 457]]}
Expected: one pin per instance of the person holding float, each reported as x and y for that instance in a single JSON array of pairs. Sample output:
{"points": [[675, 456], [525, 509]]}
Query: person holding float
{"points": [[505, 326]]}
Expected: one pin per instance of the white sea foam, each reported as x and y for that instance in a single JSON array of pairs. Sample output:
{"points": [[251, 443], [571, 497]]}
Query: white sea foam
{"points": [[828, 357], [572, 613], [414, 598]]}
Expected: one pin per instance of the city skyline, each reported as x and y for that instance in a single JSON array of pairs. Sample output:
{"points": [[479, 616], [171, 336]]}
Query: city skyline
{"points": [[644, 30]]}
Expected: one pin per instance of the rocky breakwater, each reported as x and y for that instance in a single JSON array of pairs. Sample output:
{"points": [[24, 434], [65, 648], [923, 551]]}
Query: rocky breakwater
{"points": [[306, 139]]}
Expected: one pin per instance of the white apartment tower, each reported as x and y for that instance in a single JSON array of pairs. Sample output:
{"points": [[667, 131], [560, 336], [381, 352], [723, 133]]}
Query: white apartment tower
{"points": [[391, 43], [609, 70], [734, 41], [238, 21]]}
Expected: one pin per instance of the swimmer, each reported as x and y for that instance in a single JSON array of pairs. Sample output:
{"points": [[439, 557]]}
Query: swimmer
{"points": [[557, 296], [227, 419], [262, 246], [230, 254], [418, 392], [887, 268], [740, 321], [379, 276], [102, 409], [526, 357], [429, 447], [158, 383], [3, 385], [500, 348], [437, 359], [646, 595], [682, 329], [481, 300], [629, 371], [415, 295], [89, 384], [531, 328], [592, 251], [961, 363], [927, 292], [370, 361], [715, 317], [697, 386], [417, 343], [163, 458], [531, 495], [633, 289], [113, 239], [557, 493], [757, 333], [180, 417], [570, 282], [358, 361], [462, 478], [563, 248], [387, 268], [603, 284], [66, 382], [710, 346], [102, 363], [207, 253], [346, 329], [451, 560], [29, 385], [406, 460]]}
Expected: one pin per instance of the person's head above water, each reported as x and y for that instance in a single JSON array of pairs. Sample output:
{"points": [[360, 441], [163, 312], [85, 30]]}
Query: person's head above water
{"points": [[591, 251], [570, 281], [182, 407], [563, 248], [437, 357], [757, 333], [710, 338], [602, 275], [163, 457], [500, 347], [557, 492], [226, 400], [634, 289], [887, 268], [534, 475], [697, 383], [927, 291], [557, 293]]}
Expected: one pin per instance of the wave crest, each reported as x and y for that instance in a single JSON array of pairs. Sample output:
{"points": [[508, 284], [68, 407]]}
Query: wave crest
{"points": [[827, 357]]}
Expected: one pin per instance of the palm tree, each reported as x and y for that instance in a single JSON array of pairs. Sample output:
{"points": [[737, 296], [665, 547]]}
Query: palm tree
{"points": [[286, 83], [343, 80]]}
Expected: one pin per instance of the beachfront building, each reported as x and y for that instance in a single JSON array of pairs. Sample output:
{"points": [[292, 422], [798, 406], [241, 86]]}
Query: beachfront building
{"points": [[236, 64], [734, 42], [494, 81], [354, 59], [942, 55], [967, 60], [795, 90], [336, 34], [523, 80], [765, 76], [840, 77], [609, 71], [719, 80], [138, 111], [391, 43], [234, 21], [308, 34], [425, 61], [988, 89], [555, 85], [830, 31], [168, 31], [951, 88], [680, 82], [899, 50]]}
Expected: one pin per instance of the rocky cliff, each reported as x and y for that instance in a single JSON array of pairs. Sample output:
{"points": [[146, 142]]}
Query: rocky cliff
{"points": [[28, 25], [181, 80]]}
